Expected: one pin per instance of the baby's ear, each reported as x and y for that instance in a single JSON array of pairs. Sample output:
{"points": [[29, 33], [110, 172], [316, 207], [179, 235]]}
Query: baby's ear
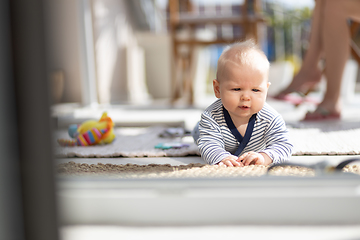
{"points": [[268, 84], [216, 86]]}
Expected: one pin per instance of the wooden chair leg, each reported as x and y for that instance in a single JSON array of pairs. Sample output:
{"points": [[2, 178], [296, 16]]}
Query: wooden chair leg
{"points": [[176, 78], [188, 77], [355, 51]]}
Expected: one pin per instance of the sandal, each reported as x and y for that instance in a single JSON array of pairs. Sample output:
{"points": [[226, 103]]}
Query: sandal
{"points": [[291, 98], [321, 114], [301, 91], [296, 98]]}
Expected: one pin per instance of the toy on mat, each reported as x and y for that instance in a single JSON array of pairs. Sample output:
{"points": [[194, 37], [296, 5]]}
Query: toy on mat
{"points": [[165, 146], [90, 132]]}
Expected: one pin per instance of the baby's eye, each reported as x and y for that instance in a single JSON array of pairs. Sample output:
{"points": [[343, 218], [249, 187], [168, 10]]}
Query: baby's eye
{"points": [[236, 89], [256, 90]]}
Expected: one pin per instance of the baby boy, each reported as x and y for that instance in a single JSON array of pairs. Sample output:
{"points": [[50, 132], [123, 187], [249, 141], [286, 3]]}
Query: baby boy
{"points": [[240, 128]]}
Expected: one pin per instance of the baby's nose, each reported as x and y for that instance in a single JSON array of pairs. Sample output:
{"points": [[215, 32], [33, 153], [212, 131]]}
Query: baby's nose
{"points": [[245, 97]]}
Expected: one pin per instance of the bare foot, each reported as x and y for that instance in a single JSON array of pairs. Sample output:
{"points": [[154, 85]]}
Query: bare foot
{"points": [[322, 114], [325, 111], [303, 82]]}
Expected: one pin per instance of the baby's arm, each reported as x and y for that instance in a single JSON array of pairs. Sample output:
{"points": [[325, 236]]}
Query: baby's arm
{"points": [[210, 142], [278, 145]]}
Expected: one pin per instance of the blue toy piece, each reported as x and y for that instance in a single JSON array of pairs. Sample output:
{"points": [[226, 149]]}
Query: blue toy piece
{"points": [[170, 145], [72, 130]]}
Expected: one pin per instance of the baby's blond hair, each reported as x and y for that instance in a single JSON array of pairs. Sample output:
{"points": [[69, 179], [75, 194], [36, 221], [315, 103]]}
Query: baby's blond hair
{"points": [[245, 53]]}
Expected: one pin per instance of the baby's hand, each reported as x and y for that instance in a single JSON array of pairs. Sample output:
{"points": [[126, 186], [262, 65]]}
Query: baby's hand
{"points": [[231, 161], [254, 158]]}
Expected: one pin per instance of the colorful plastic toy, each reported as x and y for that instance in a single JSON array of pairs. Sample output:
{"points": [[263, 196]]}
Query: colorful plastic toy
{"points": [[90, 132], [170, 145]]}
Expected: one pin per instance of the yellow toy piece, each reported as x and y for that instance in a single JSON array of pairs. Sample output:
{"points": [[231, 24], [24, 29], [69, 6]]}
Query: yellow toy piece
{"points": [[105, 122], [91, 132]]}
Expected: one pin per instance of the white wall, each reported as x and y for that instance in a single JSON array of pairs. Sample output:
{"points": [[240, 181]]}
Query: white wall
{"points": [[119, 60], [157, 48], [62, 37], [111, 33]]}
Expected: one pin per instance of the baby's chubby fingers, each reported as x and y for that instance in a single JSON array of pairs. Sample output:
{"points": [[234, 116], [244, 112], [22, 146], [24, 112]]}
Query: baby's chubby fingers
{"points": [[230, 162], [242, 157], [235, 163], [251, 158]]}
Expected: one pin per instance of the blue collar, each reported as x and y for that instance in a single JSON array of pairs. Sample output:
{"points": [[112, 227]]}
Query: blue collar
{"points": [[242, 140]]}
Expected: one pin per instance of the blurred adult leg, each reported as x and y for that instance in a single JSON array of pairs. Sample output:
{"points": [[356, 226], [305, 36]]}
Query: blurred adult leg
{"points": [[336, 45], [309, 74]]}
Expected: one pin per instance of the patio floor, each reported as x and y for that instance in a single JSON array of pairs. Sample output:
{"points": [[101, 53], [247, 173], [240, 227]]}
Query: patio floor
{"points": [[125, 116], [141, 116]]}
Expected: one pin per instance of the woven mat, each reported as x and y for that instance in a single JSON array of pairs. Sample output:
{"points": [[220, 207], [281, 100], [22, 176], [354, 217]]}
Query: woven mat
{"points": [[184, 171], [139, 142]]}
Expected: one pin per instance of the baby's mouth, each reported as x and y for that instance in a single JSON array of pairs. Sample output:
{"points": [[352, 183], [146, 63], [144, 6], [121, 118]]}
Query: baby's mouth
{"points": [[244, 107]]}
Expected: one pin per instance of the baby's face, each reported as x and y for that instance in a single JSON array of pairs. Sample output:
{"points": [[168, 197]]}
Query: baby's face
{"points": [[242, 90]]}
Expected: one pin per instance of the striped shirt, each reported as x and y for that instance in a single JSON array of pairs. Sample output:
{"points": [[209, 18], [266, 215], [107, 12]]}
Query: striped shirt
{"points": [[269, 135]]}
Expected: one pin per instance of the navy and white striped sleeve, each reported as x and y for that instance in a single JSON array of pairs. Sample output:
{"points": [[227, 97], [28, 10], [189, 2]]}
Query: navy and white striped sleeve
{"points": [[278, 145], [211, 143]]}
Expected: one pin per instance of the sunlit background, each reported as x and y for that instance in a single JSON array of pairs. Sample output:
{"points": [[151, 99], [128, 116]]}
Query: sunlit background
{"points": [[120, 52], [149, 64]]}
